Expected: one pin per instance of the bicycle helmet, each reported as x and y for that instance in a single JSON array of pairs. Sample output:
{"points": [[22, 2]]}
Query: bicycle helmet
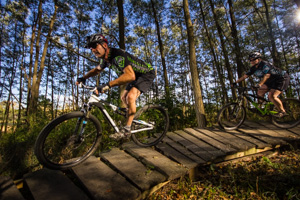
{"points": [[95, 38], [254, 55]]}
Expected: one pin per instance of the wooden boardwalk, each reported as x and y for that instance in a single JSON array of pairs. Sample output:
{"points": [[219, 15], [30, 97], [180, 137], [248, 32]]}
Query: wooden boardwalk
{"points": [[133, 172]]}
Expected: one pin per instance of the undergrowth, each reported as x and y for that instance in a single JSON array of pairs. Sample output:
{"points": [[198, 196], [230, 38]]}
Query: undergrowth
{"points": [[266, 177]]}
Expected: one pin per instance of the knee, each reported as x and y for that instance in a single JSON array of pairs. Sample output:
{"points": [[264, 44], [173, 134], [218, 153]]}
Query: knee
{"points": [[131, 97], [123, 98], [271, 96]]}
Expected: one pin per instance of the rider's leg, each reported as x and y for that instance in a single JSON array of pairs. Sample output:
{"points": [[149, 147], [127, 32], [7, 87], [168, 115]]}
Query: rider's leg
{"points": [[131, 97], [123, 98], [262, 91], [273, 96]]}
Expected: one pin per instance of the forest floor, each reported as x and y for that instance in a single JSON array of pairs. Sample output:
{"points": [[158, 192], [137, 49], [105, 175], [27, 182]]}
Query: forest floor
{"points": [[276, 176]]}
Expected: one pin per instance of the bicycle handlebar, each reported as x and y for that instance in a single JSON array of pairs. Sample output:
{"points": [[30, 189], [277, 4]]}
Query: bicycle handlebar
{"points": [[91, 88]]}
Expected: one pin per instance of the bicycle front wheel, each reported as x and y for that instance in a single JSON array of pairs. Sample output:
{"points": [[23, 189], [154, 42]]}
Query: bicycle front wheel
{"points": [[292, 119], [150, 125], [231, 116], [68, 140]]}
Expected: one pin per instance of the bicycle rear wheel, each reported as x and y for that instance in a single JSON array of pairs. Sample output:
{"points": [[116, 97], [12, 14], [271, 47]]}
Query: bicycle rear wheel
{"points": [[292, 119], [155, 115], [68, 140], [231, 116]]}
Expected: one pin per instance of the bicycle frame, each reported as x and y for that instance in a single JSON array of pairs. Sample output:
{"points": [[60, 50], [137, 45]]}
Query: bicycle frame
{"points": [[94, 100], [266, 110]]}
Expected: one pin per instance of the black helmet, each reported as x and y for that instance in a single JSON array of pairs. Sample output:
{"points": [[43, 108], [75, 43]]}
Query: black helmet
{"points": [[95, 38], [254, 55]]}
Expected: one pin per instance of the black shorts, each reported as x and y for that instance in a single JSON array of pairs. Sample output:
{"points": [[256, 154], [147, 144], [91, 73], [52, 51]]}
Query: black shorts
{"points": [[280, 83], [143, 82]]}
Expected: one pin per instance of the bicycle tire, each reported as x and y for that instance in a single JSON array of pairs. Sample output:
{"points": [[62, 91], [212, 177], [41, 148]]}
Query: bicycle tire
{"points": [[58, 145], [292, 119], [227, 120], [157, 116]]}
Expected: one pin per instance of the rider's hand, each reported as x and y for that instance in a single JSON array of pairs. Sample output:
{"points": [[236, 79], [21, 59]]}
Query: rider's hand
{"points": [[257, 86], [80, 80], [233, 85], [102, 88]]}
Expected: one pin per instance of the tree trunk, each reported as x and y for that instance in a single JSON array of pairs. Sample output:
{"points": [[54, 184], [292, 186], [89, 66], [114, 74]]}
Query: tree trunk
{"points": [[37, 75], [271, 35], [199, 107], [121, 39], [234, 34], [161, 49], [217, 64], [224, 50]]}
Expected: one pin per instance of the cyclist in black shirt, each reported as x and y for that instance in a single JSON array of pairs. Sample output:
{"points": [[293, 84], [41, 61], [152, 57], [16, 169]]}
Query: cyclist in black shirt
{"points": [[137, 74], [273, 80]]}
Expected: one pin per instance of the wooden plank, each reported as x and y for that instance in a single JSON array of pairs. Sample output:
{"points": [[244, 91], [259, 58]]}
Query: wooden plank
{"points": [[266, 131], [268, 141], [236, 142], [154, 159], [50, 184], [191, 147], [176, 155], [205, 146], [219, 137], [183, 150], [295, 130], [258, 144], [144, 178], [8, 189], [196, 132], [101, 182], [286, 135]]}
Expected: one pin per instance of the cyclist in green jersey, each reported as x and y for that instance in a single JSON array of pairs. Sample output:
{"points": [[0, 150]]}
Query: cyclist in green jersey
{"points": [[137, 74]]}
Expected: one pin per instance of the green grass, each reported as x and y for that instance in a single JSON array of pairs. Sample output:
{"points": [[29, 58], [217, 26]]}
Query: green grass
{"points": [[270, 177]]}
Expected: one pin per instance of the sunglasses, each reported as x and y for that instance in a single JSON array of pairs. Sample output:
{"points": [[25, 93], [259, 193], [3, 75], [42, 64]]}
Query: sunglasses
{"points": [[252, 59], [93, 45]]}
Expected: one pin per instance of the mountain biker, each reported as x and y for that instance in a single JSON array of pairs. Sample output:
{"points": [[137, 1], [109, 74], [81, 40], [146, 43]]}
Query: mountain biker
{"points": [[273, 80], [137, 74]]}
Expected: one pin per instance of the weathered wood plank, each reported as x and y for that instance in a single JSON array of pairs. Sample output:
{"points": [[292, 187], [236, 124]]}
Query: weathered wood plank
{"points": [[286, 135], [268, 141], [8, 189], [234, 141], [266, 131], [144, 178], [204, 135], [258, 144], [219, 137], [101, 182], [154, 159], [176, 155], [295, 130], [183, 150], [205, 146], [192, 147], [51, 184]]}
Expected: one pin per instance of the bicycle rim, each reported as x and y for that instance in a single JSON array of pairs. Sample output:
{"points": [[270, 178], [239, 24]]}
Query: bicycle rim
{"points": [[292, 119], [60, 144], [231, 116], [158, 117]]}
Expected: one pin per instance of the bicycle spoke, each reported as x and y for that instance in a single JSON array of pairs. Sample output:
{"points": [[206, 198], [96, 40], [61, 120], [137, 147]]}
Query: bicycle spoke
{"points": [[292, 107], [157, 118]]}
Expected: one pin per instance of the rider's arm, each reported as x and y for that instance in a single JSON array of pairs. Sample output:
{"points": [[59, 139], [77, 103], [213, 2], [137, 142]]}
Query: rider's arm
{"points": [[265, 78], [126, 77], [242, 78], [92, 72]]}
